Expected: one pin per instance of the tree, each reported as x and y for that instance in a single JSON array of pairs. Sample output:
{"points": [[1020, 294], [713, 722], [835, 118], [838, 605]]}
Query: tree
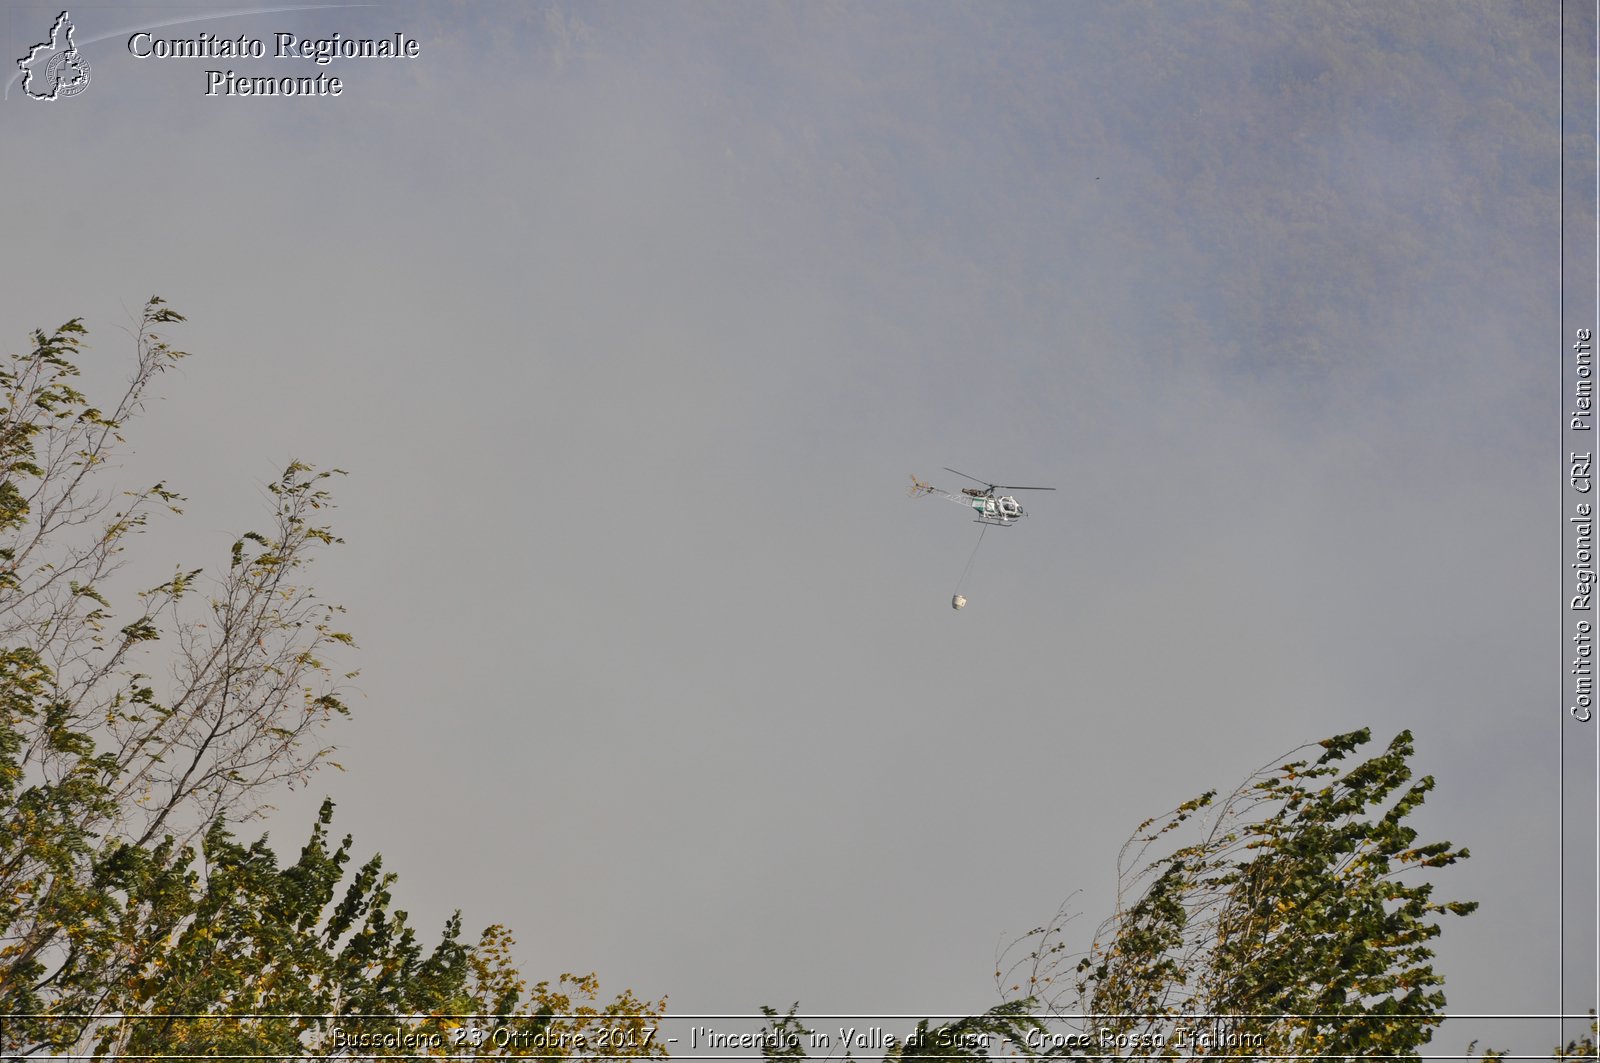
{"points": [[1289, 925], [253, 959], [1005, 1029], [131, 921], [235, 706], [1580, 1047], [103, 744]]}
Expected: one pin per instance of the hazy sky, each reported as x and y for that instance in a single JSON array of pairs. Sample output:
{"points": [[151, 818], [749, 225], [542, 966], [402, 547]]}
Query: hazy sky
{"points": [[629, 321]]}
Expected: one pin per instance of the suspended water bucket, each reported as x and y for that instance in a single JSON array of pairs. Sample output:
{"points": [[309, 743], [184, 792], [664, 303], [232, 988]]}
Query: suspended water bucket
{"points": [[957, 602]]}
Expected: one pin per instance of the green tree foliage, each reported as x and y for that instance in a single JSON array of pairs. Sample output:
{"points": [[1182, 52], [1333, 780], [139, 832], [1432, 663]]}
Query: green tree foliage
{"points": [[1006, 1029], [1581, 1047], [248, 958], [131, 922], [1291, 923]]}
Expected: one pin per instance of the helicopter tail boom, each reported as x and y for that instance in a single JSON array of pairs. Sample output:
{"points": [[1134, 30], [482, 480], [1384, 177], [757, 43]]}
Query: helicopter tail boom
{"points": [[919, 488]]}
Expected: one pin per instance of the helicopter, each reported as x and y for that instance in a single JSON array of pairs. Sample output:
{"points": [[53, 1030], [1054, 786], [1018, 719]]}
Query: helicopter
{"points": [[1000, 511]]}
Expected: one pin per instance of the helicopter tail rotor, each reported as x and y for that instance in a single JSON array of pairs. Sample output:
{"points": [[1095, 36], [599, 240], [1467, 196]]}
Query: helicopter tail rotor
{"points": [[919, 488]]}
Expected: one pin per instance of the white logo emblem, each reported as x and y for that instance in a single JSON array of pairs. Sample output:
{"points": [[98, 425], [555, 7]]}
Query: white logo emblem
{"points": [[55, 69]]}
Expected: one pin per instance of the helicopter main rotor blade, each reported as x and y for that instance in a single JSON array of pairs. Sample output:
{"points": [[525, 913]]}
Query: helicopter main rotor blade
{"points": [[974, 479], [1014, 487]]}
